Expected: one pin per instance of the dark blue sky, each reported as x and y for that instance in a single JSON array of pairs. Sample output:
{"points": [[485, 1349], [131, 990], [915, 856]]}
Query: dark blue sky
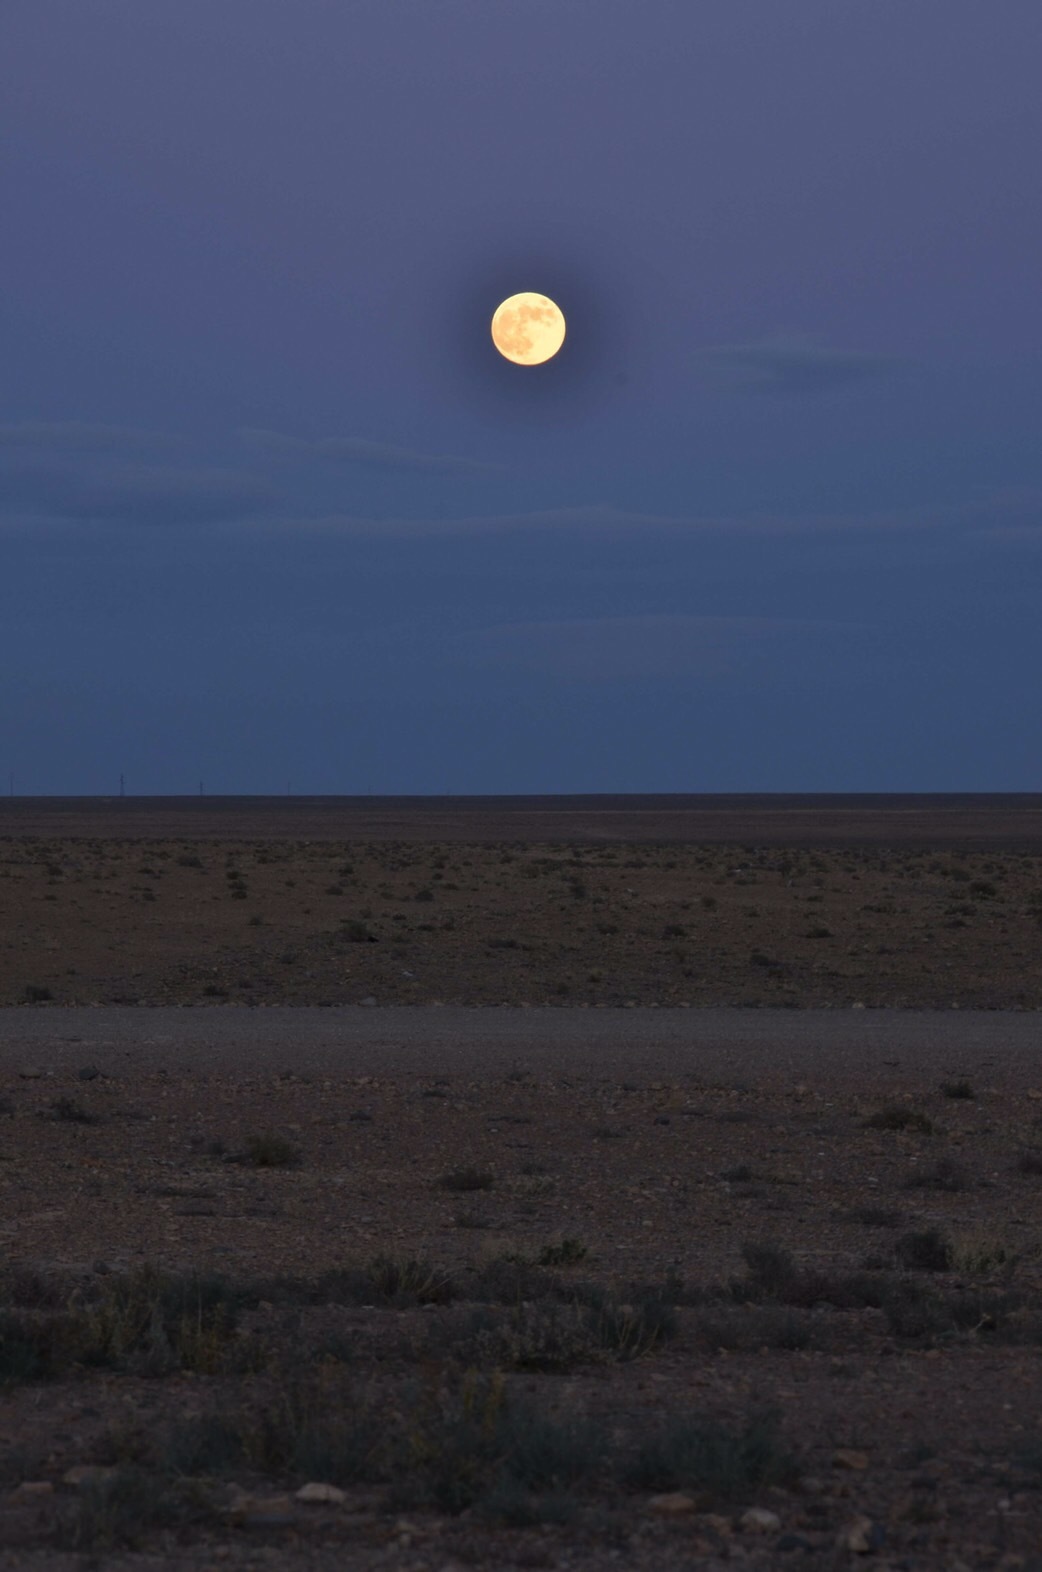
{"points": [[273, 508]]}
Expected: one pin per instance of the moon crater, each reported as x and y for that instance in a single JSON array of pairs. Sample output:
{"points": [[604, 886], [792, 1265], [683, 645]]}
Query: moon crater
{"points": [[528, 329]]}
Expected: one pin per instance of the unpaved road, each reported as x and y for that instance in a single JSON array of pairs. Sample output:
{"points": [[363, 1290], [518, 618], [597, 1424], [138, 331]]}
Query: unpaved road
{"points": [[843, 1050]]}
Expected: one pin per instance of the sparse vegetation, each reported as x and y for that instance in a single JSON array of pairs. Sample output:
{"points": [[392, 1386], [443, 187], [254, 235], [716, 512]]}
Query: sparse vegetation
{"points": [[477, 1358]]}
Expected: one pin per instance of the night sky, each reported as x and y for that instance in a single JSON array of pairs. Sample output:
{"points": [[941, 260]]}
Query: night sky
{"points": [[275, 511]]}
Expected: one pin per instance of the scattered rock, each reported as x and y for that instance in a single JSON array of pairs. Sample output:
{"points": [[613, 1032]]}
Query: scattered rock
{"points": [[262, 1512], [861, 1536], [320, 1492], [672, 1502], [844, 1457], [760, 1521], [87, 1474]]}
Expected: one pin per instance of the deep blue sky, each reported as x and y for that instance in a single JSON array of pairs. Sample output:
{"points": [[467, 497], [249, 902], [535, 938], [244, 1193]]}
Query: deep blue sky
{"points": [[274, 508]]}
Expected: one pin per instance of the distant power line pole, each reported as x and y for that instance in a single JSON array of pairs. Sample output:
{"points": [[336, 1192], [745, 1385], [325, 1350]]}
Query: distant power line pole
{"points": [[200, 788], [12, 784], [121, 791]]}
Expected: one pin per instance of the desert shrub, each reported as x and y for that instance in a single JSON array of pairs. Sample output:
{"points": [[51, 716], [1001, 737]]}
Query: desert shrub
{"points": [[466, 1179]]}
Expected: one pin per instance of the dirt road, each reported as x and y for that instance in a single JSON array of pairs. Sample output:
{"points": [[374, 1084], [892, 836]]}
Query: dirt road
{"points": [[844, 1050]]}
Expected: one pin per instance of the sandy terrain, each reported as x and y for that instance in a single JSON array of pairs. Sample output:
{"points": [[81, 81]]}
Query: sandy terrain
{"points": [[841, 1051]]}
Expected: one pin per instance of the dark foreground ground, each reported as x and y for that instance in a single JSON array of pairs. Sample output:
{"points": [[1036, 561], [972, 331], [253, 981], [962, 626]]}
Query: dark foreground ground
{"points": [[353, 1287]]}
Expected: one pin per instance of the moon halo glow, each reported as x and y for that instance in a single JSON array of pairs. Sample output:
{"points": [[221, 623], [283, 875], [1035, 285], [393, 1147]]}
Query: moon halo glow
{"points": [[528, 329]]}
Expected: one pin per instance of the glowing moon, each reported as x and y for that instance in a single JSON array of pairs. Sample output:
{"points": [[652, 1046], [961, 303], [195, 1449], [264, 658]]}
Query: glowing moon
{"points": [[528, 329]]}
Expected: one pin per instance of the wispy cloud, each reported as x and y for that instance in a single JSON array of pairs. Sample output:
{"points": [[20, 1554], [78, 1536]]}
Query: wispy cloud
{"points": [[611, 649], [791, 363], [353, 450], [38, 490], [991, 516], [75, 436], [135, 494]]}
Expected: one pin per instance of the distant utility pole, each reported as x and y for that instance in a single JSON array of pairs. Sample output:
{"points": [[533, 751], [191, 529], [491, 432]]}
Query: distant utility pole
{"points": [[200, 788], [121, 791], [288, 791], [12, 783]]}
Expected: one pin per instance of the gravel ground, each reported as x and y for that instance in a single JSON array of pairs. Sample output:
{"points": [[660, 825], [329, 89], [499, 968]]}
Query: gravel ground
{"points": [[847, 1050]]}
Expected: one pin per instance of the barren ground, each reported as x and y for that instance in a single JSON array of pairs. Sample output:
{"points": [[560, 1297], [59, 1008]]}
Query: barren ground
{"points": [[836, 1293]]}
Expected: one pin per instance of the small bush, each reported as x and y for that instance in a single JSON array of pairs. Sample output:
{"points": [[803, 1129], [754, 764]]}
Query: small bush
{"points": [[466, 1179], [413, 1281], [895, 1117], [271, 1151], [945, 1174], [928, 1251], [65, 1109], [696, 1454], [567, 1253]]}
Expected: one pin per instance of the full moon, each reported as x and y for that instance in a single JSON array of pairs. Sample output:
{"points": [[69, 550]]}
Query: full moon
{"points": [[528, 329]]}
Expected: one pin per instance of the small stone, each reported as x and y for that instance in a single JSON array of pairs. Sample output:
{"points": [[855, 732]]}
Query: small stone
{"points": [[320, 1492], [260, 1512], [844, 1457], [369, 999], [86, 1473], [34, 1487], [672, 1502], [857, 1006], [760, 1521], [812, 1486], [89, 1072], [861, 1536]]}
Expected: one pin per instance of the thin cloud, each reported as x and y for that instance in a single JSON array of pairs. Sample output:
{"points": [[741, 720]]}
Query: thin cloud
{"points": [[243, 500], [601, 519], [75, 436], [792, 364], [604, 649], [139, 494], [354, 450], [1009, 515]]}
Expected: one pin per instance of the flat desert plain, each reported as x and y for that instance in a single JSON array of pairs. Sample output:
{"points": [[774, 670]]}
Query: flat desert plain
{"points": [[147, 901], [528, 1317]]}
